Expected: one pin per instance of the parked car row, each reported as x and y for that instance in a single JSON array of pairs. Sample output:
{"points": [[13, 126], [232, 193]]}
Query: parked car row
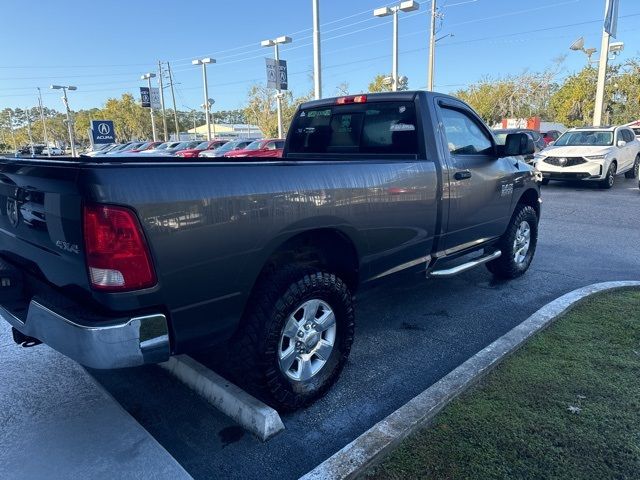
{"points": [[242, 147]]}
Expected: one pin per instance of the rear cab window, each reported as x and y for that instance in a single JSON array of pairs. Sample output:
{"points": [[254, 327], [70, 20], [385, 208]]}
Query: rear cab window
{"points": [[376, 128]]}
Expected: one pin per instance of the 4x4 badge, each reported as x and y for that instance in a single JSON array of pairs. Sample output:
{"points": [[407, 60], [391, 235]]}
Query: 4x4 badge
{"points": [[12, 212]]}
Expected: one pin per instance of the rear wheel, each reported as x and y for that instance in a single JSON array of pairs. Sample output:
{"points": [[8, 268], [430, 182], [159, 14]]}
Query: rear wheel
{"points": [[296, 337], [518, 244], [634, 172], [609, 180]]}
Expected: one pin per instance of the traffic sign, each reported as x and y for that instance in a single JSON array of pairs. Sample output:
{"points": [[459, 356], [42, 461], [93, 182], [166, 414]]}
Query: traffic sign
{"points": [[102, 132], [277, 74]]}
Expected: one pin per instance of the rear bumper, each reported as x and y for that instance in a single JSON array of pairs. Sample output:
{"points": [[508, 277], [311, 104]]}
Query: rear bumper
{"points": [[133, 342]]}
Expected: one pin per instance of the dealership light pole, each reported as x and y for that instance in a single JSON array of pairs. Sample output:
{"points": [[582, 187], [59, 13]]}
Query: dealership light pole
{"points": [[210, 103], [64, 89], [204, 63], [148, 77], [44, 123], [275, 44], [432, 46], [317, 62], [407, 6]]}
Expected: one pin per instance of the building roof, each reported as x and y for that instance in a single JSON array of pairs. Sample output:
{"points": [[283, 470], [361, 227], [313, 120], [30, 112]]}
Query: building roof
{"points": [[227, 130]]}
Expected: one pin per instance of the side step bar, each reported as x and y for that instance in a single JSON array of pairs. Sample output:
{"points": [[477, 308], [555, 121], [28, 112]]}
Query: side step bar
{"points": [[453, 271]]}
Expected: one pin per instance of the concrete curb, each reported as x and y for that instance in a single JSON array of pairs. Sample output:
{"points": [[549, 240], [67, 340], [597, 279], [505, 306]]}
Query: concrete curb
{"points": [[371, 447], [253, 415]]}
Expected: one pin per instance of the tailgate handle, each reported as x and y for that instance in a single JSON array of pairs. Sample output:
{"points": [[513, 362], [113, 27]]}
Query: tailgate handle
{"points": [[462, 175]]}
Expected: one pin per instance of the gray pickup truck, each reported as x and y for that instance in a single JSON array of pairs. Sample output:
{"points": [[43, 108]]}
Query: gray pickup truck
{"points": [[118, 262]]}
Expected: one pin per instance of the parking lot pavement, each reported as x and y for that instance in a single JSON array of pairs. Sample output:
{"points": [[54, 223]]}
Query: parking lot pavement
{"points": [[57, 423], [410, 333]]}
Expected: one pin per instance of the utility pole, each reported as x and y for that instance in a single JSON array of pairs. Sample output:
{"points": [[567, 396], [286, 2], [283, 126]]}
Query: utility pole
{"points": [[13, 135], [164, 116], [44, 123], [173, 98], [432, 46], [317, 62], [26, 113]]}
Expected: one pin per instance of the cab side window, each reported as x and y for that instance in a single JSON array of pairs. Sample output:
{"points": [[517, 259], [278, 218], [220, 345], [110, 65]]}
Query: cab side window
{"points": [[627, 136], [464, 136]]}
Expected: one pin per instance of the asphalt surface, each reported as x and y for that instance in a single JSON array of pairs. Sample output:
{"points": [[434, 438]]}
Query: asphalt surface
{"points": [[410, 333]]}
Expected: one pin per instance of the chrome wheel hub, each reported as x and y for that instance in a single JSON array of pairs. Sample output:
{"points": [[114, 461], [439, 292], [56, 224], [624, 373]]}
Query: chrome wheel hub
{"points": [[307, 340], [522, 242]]}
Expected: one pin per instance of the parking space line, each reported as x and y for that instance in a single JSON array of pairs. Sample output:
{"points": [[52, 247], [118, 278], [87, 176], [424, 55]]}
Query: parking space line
{"points": [[253, 415]]}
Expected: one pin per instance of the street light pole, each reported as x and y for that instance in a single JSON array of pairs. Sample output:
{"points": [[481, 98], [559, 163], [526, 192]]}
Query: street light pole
{"points": [[432, 46], [407, 6], [68, 112], [275, 44], [44, 123], [204, 63], [602, 74], [148, 77], [317, 67]]}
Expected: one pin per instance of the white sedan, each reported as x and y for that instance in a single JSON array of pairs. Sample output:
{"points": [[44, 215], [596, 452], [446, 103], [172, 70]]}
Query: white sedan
{"points": [[52, 151], [591, 154]]}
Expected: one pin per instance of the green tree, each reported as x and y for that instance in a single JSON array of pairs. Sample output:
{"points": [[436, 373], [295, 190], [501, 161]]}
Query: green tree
{"points": [[381, 83], [261, 109]]}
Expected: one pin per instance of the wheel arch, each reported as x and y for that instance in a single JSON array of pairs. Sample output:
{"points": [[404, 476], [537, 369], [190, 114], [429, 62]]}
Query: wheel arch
{"points": [[531, 197]]}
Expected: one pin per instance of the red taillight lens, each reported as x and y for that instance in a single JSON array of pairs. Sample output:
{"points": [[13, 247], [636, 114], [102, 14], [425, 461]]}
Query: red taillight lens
{"points": [[351, 99], [117, 253]]}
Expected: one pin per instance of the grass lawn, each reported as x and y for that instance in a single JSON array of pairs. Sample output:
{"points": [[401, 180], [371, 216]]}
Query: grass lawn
{"points": [[565, 406]]}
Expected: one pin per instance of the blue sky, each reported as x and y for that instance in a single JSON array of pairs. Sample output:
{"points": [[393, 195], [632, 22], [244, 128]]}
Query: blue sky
{"points": [[104, 47]]}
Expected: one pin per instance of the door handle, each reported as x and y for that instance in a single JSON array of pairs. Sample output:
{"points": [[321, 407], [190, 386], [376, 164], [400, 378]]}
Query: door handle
{"points": [[462, 175]]}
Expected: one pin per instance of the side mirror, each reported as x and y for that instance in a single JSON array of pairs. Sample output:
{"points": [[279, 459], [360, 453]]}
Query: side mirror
{"points": [[550, 144], [621, 143], [518, 144]]}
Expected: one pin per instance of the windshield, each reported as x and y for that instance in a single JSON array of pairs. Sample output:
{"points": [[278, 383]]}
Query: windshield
{"points": [[227, 147], [163, 146], [253, 145], [597, 138], [203, 146]]}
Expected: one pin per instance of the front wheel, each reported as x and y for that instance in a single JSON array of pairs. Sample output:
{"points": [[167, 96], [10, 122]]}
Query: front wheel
{"points": [[609, 180], [635, 171], [518, 244], [296, 337]]}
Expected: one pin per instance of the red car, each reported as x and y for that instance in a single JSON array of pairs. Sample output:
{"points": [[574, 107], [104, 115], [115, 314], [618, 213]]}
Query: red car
{"points": [[550, 136], [260, 148], [201, 147], [145, 146]]}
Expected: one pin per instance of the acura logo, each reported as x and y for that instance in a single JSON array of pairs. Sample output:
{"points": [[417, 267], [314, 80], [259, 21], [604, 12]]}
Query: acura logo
{"points": [[104, 129], [562, 161]]}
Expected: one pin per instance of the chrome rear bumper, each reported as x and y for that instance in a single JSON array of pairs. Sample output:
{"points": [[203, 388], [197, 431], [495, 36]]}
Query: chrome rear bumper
{"points": [[133, 342]]}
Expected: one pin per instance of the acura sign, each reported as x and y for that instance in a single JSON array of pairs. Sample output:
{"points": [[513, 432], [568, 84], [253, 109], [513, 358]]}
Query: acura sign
{"points": [[102, 132]]}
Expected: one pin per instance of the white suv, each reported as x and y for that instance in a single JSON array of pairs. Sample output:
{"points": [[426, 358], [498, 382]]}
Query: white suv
{"points": [[591, 153]]}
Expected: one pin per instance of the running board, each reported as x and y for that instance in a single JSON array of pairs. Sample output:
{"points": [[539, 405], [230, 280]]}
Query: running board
{"points": [[453, 271]]}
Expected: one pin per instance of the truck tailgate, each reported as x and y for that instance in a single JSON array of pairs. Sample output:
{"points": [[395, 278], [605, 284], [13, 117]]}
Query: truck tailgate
{"points": [[40, 219]]}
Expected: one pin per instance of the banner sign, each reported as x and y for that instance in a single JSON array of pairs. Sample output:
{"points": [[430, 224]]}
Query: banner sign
{"points": [[145, 97], [276, 74], [102, 132], [154, 95], [611, 17]]}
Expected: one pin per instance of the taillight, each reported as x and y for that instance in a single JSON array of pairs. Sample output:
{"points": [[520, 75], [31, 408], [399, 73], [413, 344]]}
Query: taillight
{"points": [[351, 99], [117, 253]]}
